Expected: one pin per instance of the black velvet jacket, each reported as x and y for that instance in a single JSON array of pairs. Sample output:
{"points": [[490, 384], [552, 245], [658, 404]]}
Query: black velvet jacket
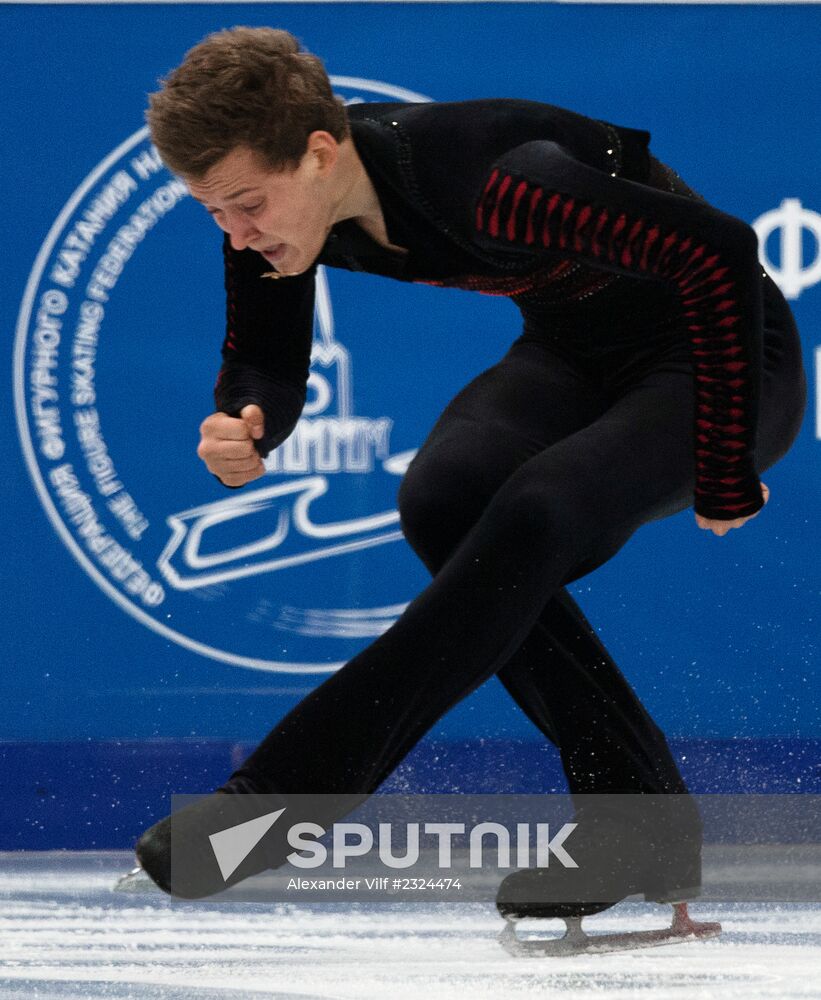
{"points": [[569, 216]]}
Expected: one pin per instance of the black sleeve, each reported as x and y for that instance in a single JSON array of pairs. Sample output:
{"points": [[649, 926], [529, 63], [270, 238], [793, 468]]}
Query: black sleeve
{"points": [[267, 348], [538, 199]]}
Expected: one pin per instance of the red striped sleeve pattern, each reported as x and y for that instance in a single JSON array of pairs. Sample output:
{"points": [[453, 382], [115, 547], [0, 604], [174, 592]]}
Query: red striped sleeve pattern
{"points": [[713, 289]]}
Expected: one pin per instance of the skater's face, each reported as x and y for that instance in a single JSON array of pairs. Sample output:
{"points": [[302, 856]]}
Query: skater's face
{"points": [[285, 215]]}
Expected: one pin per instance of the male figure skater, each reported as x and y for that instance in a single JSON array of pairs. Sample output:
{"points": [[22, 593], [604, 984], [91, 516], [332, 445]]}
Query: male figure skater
{"points": [[657, 368]]}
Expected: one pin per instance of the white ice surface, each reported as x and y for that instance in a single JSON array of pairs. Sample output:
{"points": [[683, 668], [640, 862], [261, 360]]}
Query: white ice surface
{"points": [[65, 934]]}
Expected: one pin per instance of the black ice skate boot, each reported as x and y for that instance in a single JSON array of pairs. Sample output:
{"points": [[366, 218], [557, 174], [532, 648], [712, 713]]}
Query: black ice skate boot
{"points": [[625, 845], [198, 851], [178, 854]]}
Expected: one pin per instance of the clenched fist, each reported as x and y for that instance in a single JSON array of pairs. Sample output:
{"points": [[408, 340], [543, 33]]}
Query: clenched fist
{"points": [[227, 445], [722, 527]]}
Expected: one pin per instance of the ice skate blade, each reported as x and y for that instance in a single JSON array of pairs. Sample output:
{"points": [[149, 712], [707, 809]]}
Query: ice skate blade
{"points": [[576, 942], [135, 881]]}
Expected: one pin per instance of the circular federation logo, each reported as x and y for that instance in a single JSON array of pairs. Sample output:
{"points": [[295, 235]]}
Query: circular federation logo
{"points": [[111, 380]]}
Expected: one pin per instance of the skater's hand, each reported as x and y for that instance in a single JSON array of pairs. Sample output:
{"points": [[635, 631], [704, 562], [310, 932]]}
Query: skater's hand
{"points": [[227, 445], [722, 527]]}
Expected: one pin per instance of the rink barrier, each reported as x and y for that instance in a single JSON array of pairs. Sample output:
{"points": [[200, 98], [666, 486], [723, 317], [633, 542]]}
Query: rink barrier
{"points": [[100, 795]]}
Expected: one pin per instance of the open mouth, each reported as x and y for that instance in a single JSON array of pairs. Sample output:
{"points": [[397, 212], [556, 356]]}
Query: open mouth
{"points": [[275, 253]]}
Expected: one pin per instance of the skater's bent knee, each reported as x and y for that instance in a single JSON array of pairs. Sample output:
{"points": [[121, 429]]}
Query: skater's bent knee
{"points": [[434, 513]]}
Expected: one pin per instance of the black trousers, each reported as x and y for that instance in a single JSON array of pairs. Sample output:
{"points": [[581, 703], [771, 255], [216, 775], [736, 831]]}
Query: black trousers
{"points": [[535, 474]]}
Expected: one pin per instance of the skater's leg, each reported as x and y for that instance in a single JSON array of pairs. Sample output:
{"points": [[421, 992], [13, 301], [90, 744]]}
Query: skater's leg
{"points": [[562, 677], [673, 874], [606, 738], [547, 518], [324, 744]]}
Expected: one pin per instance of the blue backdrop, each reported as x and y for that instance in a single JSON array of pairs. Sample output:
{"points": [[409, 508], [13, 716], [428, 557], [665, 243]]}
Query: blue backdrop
{"points": [[142, 603]]}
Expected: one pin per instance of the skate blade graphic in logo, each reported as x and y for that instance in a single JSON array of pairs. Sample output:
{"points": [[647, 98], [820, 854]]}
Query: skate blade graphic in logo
{"points": [[188, 562]]}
